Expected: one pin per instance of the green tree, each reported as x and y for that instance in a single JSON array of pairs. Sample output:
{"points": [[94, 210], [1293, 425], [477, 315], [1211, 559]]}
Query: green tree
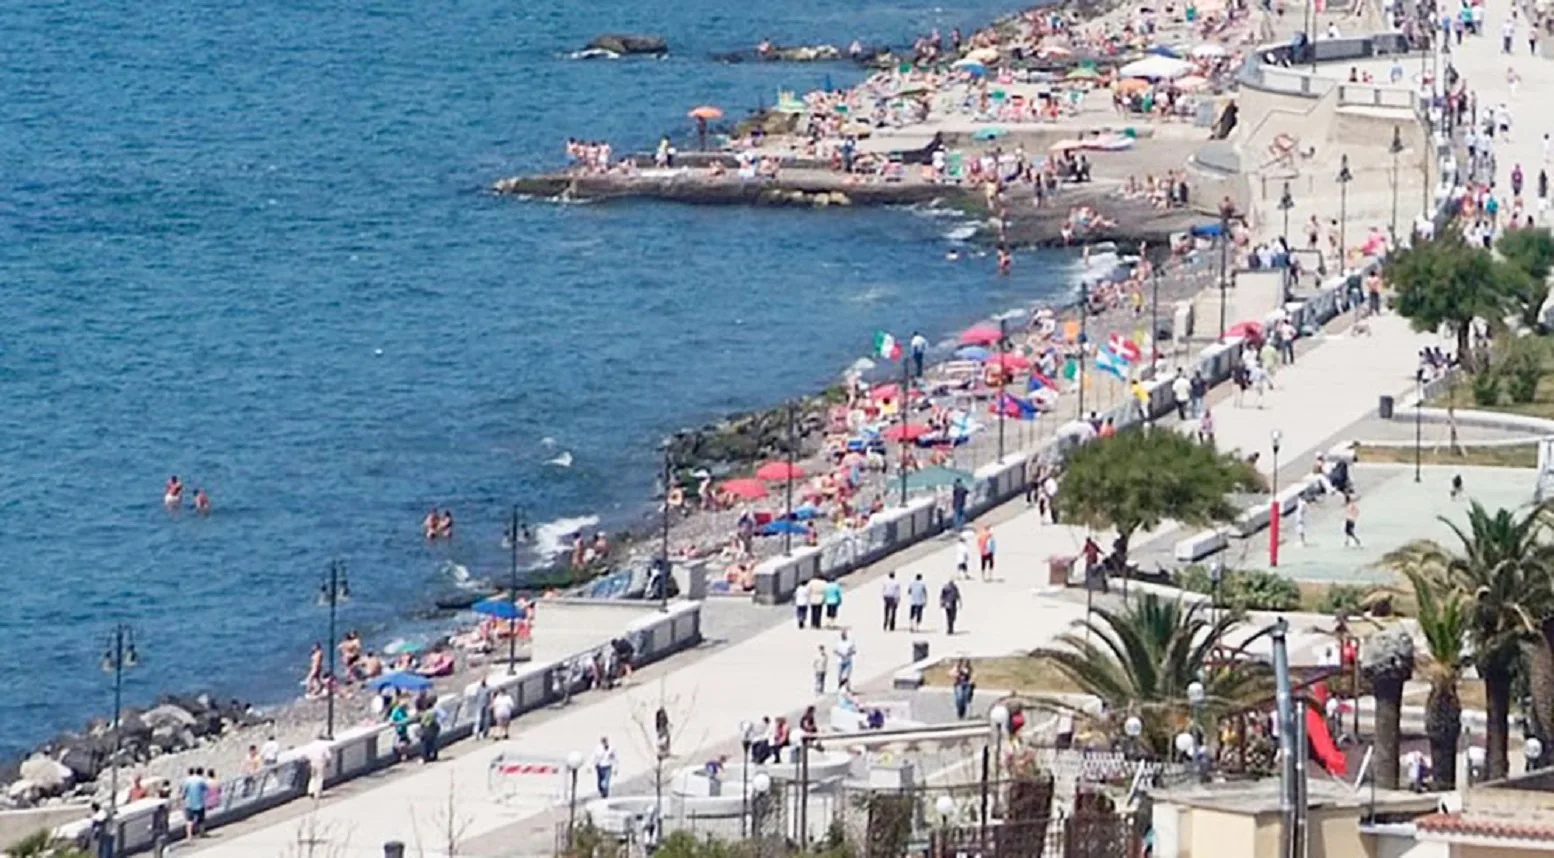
{"points": [[1138, 478], [1446, 281], [1502, 566], [1530, 249], [1140, 660], [1443, 622]]}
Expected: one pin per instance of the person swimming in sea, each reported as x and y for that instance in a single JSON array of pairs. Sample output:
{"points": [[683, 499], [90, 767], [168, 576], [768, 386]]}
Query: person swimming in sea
{"points": [[445, 526], [429, 524], [172, 495], [201, 502]]}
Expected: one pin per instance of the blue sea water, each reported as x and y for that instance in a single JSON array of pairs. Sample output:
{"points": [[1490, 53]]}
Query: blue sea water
{"points": [[250, 244]]}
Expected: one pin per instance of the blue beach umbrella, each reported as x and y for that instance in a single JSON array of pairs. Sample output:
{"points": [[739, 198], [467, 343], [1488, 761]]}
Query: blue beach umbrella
{"points": [[973, 353], [805, 512], [780, 526], [1163, 51], [401, 681], [989, 133], [502, 609]]}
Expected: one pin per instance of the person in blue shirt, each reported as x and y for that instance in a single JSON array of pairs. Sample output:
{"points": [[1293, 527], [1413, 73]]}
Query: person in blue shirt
{"points": [[833, 600], [195, 790]]}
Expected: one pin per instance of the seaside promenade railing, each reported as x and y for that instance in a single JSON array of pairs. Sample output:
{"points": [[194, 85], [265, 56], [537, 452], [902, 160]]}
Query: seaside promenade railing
{"points": [[369, 748]]}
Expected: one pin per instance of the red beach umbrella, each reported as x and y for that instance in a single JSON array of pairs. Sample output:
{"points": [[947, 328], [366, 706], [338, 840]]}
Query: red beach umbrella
{"points": [[906, 432], [706, 111], [885, 391], [778, 471], [980, 335], [746, 489], [1250, 330], [1009, 362]]}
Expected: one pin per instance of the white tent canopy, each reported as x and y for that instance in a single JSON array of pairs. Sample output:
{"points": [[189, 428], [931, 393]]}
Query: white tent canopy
{"points": [[1156, 68]]}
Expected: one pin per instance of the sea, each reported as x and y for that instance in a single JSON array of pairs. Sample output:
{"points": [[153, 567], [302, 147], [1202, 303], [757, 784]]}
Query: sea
{"points": [[253, 245]]}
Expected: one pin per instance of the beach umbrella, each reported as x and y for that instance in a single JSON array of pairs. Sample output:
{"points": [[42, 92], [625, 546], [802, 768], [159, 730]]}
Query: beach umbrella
{"points": [[706, 111], [1250, 330], [983, 55], [1047, 51], [502, 609], [1131, 84], [992, 133], [1163, 51], [1156, 68], [1065, 145], [937, 477], [980, 335], [978, 353], [781, 526], [969, 64], [805, 512], [889, 391], [1209, 51], [1190, 83], [779, 471], [1082, 73], [1011, 361], [905, 432], [400, 680], [745, 489]]}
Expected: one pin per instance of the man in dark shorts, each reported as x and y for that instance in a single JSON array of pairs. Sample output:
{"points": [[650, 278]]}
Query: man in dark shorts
{"points": [[194, 791]]}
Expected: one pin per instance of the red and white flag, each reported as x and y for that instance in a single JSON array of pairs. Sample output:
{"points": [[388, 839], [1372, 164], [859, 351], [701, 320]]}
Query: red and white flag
{"points": [[1124, 348]]}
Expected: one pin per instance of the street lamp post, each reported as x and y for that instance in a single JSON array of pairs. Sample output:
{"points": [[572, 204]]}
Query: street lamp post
{"points": [[1286, 202], [119, 656], [1132, 728], [1224, 264], [333, 590], [1418, 420], [1344, 178], [1396, 149], [1276, 509], [746, 729], [574, 764], [901, 410], [1196, 696], [761, 785], [663, 542], [1216, 576], [516, 533], [1003, 371], [787, 531], [1154, 313], [1084, 328], [998, 717]]}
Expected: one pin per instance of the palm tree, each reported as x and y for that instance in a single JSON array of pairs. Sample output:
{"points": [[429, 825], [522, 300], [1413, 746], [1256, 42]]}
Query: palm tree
{"points": [[1443, 621], [1387, 660], [1140, 661], [1503, 569]]}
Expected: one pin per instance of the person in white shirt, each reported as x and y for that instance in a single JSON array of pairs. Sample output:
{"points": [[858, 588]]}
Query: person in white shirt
{"points": [[801, 603], [962, 558], [820, 666], [270, 752], [846, 648], [604, 766], [1300, 519], [890, 594]]}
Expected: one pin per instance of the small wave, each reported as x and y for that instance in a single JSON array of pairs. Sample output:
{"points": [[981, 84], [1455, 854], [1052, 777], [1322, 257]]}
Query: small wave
{"points": [[562, 461], [593, 54], [871, 295], [961, 232], [458, 573], [547, 441], [555, 537]]}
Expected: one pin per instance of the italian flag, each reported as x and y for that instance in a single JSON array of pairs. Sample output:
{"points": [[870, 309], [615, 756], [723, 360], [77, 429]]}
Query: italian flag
{"points": [[886, 346]]}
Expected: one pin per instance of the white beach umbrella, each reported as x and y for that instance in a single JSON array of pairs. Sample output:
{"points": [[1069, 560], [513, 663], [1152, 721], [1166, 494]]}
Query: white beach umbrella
{"points": [[1156, 68], [1209, 51]]}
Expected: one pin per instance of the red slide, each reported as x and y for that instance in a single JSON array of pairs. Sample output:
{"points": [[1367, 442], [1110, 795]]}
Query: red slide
{"points": [[1322, 745]]}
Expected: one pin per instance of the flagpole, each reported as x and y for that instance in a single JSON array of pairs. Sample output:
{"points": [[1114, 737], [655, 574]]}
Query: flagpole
{"points": [[902, 410], [1003, 337], [1084, 325]]}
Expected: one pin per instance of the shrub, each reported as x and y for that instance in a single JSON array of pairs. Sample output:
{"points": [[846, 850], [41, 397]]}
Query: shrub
{"points": [[1244, 589], [1486, 388], [1523, 366], [1343, 599]]}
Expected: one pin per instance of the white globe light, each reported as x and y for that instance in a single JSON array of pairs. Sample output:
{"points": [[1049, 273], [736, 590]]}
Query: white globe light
{"points": [[998, 716], [1532, 748], [1476, 755], [945, 805], [1195, 692], [761, 783], [575, 760], [1133, 727], [744, 729], [1185, 743]]}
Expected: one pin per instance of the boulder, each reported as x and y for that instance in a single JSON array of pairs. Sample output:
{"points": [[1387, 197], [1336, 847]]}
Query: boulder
{"points": [[48, 775], [169, 714], [83, 762], [630, 43], [23, 793]]}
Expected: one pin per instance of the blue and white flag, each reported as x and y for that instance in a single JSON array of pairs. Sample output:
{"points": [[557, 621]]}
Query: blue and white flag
{"points": [[1107, 360]]}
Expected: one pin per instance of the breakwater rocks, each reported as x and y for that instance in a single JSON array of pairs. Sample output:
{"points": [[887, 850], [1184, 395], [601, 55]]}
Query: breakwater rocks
{"points": [[630, 43], [71, 763], [801, 187], [745, 440]]}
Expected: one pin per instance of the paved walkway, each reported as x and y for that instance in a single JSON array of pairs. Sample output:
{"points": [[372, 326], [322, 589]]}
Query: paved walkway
{"points": [[1483, 66]]}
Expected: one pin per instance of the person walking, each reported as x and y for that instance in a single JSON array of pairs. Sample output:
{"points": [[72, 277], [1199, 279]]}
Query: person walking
{"points": [[801, 603], [949, 601], [964, 687], [831, 594], [195, 789], [820, 667], [890, 593], [604, 766], [962, 557], [502, 707], [846, 649], [958, 495], [917, 601], [985, 548], [1351, 520], [482, 706], [817, 600], [1300, 519]]}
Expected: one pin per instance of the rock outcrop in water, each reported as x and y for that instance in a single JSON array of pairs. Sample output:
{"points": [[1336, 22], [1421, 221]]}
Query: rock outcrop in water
{"points": [[630, 43]]}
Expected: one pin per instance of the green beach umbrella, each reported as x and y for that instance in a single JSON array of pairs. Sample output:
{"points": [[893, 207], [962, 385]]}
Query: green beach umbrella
{"points": [[1083, 73]]}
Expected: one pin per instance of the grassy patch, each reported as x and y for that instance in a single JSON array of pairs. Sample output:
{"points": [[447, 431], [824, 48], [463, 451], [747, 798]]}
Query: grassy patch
{"points": [[1515, 456], [1019, 673]]}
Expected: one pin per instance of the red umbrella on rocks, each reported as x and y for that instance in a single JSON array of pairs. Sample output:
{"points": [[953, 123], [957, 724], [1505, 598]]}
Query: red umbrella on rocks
{"points": [[980, 335], [779, 471], [745, 488]]}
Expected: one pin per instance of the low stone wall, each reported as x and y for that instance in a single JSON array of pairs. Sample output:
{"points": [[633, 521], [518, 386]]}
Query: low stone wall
{"points": [[363, 750], [16, 825]]}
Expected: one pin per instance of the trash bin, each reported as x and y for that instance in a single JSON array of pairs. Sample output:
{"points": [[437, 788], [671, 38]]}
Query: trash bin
{"points": [[1386, 407], [393, 849], [919, 651], [1059, 569]]}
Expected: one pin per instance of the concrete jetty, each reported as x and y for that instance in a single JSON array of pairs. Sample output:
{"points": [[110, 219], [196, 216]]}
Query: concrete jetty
{"points": [[793, 187]]}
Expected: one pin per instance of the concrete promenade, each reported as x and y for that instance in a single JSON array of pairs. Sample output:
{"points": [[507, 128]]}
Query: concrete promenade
{"points": [[1331, 386]]}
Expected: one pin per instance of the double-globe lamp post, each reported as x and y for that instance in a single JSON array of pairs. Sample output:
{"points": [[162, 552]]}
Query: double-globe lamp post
{"points": [[333, 590], [119, 656]]}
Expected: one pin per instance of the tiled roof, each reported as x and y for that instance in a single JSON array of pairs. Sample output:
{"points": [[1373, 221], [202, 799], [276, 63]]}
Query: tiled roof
{"points": [[1483, 826]]}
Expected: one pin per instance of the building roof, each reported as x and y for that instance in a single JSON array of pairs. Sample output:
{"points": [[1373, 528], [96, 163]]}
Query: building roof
{"points": [[1484, 826], [1262, 796]]}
